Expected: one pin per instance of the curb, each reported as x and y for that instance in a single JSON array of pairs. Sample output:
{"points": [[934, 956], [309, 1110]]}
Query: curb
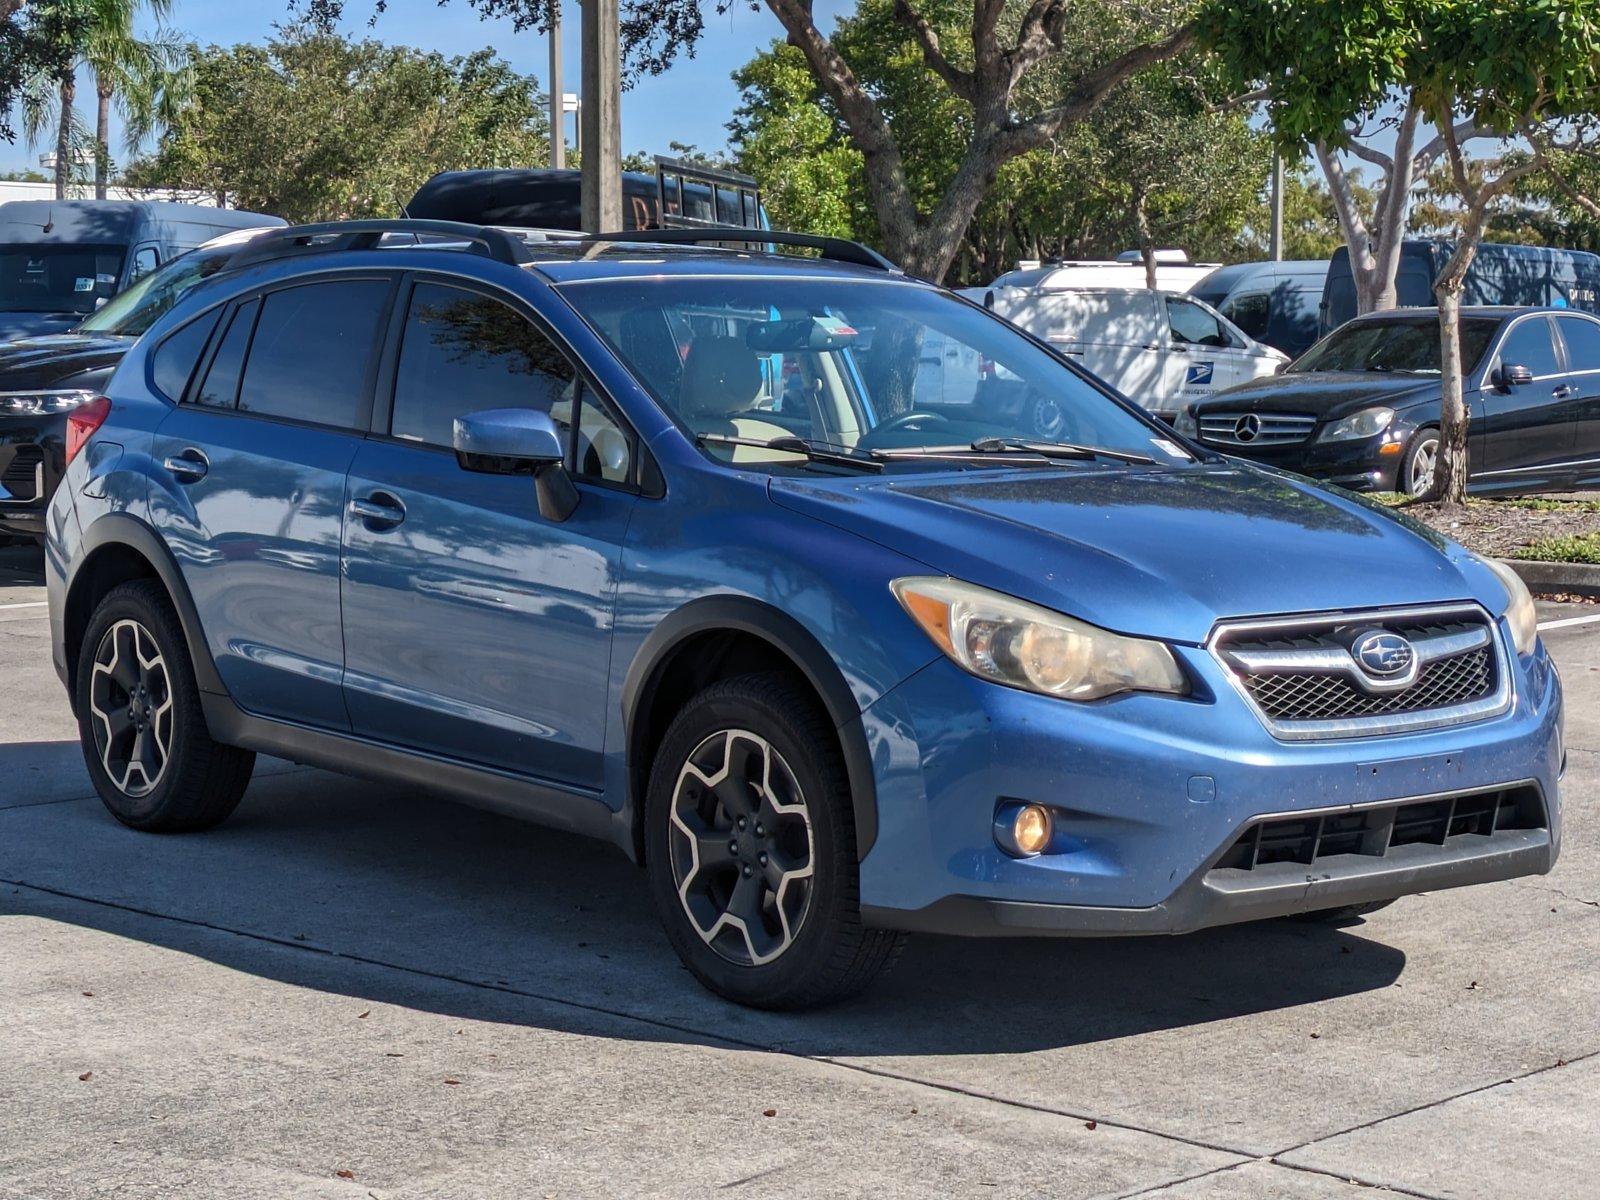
{"points": [[1577, 579]]}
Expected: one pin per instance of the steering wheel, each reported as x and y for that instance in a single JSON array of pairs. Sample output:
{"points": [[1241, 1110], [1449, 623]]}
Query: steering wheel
{"points": [[907, 420]]}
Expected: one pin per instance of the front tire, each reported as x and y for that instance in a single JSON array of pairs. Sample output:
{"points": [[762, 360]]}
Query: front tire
{"points": [[751, 848], [1419, 462], [1342, 915], [144, 737]]}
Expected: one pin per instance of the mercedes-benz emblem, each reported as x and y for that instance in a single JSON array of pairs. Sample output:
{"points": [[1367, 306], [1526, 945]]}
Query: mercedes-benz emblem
{"points": [[1383, 655], [1247, 428]]}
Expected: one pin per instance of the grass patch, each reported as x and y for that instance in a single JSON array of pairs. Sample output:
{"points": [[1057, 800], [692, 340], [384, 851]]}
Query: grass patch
{"points": [[1545, 504], [1580, 548]]}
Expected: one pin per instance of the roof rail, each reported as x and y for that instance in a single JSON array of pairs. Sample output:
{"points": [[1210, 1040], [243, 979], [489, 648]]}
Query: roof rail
{"points": [[833, 249], [331, 236]]}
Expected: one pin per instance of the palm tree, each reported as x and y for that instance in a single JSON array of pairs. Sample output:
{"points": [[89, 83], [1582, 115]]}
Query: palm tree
{"points": [[148, 80]]}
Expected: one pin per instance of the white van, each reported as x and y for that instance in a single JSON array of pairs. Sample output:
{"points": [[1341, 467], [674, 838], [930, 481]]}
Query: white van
{"points": [[1174, 273], [1161, 350]]}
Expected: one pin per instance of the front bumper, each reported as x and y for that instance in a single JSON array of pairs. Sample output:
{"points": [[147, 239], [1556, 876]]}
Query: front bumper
{"points": [[32, 450], [1361, 465], [1151, 793]]}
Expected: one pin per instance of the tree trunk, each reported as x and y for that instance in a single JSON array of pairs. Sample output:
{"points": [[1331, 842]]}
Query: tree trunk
{"points": [[102, 138], [1147, 241], [69, 96], [1450, 472]]}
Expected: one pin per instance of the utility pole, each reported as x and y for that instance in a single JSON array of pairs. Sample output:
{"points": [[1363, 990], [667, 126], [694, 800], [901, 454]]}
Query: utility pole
{"points": [[600, 118], [1277, 207], [558, 95]]}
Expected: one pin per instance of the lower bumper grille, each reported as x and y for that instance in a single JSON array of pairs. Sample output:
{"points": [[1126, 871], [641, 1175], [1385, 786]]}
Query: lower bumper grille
{"points": [[21, 475], [1373, 832]]}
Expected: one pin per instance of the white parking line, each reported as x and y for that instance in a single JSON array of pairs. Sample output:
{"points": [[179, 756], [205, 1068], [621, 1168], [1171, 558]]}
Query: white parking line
{"points": [[29, 604], [1566, 621]]}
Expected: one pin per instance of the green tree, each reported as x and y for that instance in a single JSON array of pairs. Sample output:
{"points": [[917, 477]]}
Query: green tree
{"points": [[1199, 168], [1515, 69], [981, 73], [313, 126]]}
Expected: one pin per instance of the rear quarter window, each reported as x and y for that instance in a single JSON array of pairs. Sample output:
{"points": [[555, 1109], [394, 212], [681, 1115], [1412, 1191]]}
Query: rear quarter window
{"points": [[173, 363]]}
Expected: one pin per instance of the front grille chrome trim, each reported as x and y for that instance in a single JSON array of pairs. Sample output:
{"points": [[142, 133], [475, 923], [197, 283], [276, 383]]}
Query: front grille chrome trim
{"points": [[1336, 660], [1266, 429]]}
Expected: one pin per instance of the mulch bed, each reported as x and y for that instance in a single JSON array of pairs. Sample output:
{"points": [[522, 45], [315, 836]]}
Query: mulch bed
{"points": [[1501, 528]]}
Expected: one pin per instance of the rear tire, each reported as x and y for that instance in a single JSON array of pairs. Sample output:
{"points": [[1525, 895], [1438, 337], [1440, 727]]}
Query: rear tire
{"points": [[751, 847], [143, 733]]}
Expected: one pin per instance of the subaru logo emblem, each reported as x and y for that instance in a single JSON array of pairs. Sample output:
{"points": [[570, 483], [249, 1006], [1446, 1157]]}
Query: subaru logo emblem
{"points": [[1383, 654], [1247, 428]]}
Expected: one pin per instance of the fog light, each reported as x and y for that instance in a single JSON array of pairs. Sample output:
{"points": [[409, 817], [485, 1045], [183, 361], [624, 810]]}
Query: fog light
{"points": [[1023, 830]]}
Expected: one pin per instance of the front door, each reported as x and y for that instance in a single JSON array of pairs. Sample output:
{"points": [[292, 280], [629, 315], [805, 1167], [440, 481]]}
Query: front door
{"points": [[250, 488], [474, 627], [1527, 427], [1581, 336], [1202, 357]]}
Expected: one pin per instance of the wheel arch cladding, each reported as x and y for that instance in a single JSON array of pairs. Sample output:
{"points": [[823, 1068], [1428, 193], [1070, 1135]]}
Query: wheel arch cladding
{"points": [[118, 548], [717, 638]]}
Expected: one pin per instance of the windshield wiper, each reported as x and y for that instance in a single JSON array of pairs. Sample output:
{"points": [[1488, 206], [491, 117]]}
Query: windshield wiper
{"points": [[1006, 445], [823, 452]]}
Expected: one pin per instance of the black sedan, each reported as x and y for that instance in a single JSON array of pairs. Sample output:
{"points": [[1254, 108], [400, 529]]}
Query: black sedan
{"points": [[42, 379], [1361, 407]]}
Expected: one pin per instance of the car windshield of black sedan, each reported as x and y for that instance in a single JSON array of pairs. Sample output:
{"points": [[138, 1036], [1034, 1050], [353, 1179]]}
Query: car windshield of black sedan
{"points": [[133, 311], [884, 370], [1410, 345]]}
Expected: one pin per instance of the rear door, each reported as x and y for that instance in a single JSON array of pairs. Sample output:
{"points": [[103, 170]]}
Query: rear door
{"points": [[1112, 333], [474, 627], [1527, 428], [1581, 338], [250, 493]]}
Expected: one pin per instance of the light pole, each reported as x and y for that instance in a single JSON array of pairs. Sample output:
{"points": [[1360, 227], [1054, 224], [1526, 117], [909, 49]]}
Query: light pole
{"points": [[558, 114], [600, 118]]}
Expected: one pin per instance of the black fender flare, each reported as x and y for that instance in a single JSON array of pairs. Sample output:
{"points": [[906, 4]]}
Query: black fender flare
{"points": [[785, 634], [122, 530]]}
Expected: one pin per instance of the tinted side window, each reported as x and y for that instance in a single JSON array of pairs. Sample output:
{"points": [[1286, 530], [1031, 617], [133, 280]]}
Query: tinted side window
{"points": [[174, 360], [462, 352], [221, 386], [1529, 345], [1583, 343], [308, 359]]}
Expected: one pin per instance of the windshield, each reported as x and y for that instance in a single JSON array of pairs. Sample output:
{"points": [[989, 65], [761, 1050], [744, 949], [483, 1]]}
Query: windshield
{"points": [[857, 365], [1411, 345], [64, 279], [138, 308]]}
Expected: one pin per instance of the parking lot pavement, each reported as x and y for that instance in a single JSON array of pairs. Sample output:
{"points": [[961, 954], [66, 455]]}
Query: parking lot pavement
{"points": [[441, 1002]]}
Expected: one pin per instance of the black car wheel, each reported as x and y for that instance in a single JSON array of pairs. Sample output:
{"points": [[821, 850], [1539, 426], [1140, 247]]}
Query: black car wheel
{"points": [[1420, 461], [143, 734], [751, 850], [1342, 915]]}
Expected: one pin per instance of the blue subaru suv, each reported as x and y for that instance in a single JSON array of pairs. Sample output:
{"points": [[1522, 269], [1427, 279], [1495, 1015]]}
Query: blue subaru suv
{"points": [[687, 547]]}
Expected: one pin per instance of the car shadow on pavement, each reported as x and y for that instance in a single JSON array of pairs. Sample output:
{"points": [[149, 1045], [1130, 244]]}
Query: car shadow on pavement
{"points": [[397, 897]]}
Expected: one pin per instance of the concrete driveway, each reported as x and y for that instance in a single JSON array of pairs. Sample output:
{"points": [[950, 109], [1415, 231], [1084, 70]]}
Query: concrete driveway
{"points": [[351, 990]]}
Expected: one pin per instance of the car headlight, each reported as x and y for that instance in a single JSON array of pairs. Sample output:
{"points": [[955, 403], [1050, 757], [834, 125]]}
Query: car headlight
{"points": [[1021, 645], [1520, 612], [1369, 422], [1186, 423], [39, 404]]}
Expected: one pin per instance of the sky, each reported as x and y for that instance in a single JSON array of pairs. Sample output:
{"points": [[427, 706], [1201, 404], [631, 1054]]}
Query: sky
{"points": [[691, 103]]}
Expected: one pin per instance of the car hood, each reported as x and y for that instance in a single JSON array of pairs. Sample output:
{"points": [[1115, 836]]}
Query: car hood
{"points": [[39, 362], [1155, 552], [1323, 393], [26, 324]]}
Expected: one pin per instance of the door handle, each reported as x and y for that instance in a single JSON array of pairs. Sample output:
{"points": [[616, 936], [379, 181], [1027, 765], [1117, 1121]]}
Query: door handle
{"points": [[1562, 392], [379, 510], [188, 467]]}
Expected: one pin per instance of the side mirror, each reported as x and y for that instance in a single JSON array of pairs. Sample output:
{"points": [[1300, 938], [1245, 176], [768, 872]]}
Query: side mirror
{"points": [[519, 441], [1510, 375]]}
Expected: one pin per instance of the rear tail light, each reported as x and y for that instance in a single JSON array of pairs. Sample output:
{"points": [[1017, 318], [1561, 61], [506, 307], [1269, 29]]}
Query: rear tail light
{"points": [[83, 421]]}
